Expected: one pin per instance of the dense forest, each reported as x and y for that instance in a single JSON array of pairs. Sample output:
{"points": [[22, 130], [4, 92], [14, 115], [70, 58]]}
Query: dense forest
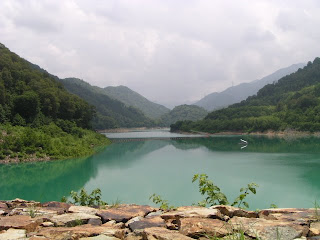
{"points": [[110, 113], [37, 115], [291, 103]]}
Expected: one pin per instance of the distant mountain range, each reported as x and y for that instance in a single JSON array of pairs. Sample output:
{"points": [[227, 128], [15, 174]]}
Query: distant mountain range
{"points": [[240, 92], [134, 99]]}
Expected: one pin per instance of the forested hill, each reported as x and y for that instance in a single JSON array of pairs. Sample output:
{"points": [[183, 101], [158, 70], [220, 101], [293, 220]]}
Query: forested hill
{"points": [[110, 113], [134, 99], [291, 103], [39, 119], [29, 96], [183, 112], [240, 92]]}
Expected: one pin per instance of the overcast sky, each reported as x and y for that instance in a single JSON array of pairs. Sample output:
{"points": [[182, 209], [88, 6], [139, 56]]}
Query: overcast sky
{"points": [[170, 51]]}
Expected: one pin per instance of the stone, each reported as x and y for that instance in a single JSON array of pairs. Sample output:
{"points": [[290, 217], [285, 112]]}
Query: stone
{"points": [[2, 212], [234, 211], [157, 213], [60, 207], [314, 229], [298, 215], [159, 233], [70, 219], [123, 213], [47, 224], [134, 236], [100, 237], [95, 222], [147, 222], [83, 209], [12, 234], [189, 212], [3, 206], [20, 203], [82, 231], [19, 221], [195, 227], [268, 229]]}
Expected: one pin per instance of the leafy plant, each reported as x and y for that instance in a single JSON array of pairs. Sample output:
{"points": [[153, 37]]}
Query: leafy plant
{"points": [[84, 199], [32, 211], [115, 203], [164, 205], [316, 210], [272, 205], [214, 196]]}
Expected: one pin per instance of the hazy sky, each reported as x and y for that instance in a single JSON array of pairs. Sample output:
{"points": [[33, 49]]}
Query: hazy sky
{"points": [[170, 51]]}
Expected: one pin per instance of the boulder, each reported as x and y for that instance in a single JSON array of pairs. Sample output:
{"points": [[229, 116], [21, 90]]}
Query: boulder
{"points": [[123, 213], [19, 221], [71, 219], [314, 229], [20, 203], [160, 233], [147, 222], [298, 215], [197, 227], [234, 211], [83, 209], [12, 234], [268, 229], [189, 212]]}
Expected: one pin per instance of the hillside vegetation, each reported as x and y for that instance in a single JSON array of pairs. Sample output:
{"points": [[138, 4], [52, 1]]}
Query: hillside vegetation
{"points": [[134, 99], [240, 92], [110, 113], [291, 103], [38, 116], [183, 112]]}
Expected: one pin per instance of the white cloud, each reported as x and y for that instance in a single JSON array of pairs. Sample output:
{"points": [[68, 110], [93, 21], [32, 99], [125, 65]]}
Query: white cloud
{"points": [[169, 51]]}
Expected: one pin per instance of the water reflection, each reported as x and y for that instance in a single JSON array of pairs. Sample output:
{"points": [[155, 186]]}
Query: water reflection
{"points": [[287, 171]]}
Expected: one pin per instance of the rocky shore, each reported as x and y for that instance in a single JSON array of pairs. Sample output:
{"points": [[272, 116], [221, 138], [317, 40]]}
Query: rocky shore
{"points": [[20, 219]]}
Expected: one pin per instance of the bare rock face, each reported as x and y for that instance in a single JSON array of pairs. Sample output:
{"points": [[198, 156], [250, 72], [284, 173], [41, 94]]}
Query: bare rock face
{"points": [[314, 229], [196, 227], [124, 212], [20, 203], [71, 219], [268, 229], [163, 234], [20, 222]]}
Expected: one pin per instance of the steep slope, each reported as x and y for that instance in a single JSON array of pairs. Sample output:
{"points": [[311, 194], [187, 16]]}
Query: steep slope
{"points": [[183, 112], [39, 119], [134, 99], [111, 113], [242, 91], [291, 103]]}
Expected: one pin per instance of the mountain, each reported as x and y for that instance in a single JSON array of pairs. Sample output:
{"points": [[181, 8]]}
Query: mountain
{"points": [[291, 103], [134, 99], [183, 112], [242, 91], [110, 113]]}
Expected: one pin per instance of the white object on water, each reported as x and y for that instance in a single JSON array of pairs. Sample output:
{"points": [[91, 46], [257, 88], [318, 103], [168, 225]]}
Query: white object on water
{"points": [[244, 141]]}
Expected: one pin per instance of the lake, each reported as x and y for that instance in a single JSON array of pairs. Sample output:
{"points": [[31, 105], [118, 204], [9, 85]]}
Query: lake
{"points": [[132, 169]]}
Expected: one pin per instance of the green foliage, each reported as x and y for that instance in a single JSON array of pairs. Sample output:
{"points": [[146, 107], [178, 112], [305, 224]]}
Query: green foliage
{"points": [[84, 199], [110, 113], [164, 205], [291, 103], [272, 205], [214, 196]]}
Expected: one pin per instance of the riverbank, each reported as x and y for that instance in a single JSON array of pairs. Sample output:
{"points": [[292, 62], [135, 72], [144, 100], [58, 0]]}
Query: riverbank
{"points": [[20, 219], [123, 130]]}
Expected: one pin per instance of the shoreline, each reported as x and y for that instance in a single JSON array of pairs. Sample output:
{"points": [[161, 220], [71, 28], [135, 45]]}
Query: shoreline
{"points": [[21, 219], [123, 130]]}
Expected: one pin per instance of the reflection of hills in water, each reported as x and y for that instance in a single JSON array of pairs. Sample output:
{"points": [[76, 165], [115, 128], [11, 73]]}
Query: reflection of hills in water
{"points": [[44, 181], [259, 144]]}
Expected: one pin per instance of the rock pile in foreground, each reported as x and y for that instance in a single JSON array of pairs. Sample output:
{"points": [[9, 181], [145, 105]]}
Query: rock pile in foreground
{"points": [[20, 219]]}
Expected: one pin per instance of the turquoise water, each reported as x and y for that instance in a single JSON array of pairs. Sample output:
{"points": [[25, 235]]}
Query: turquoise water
{"points": [[288, 171]]}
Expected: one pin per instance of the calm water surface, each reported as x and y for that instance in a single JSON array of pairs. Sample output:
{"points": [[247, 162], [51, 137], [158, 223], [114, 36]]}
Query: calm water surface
{"points": [[288, 171]]}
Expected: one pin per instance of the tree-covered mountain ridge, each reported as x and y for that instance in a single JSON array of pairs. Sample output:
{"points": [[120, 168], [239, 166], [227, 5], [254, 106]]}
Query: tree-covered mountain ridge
{"points": [[39, 119], [291, 103], [238, 93]]}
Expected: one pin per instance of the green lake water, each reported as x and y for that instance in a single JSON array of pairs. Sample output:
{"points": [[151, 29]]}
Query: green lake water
{"points": [[288, 171]]}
